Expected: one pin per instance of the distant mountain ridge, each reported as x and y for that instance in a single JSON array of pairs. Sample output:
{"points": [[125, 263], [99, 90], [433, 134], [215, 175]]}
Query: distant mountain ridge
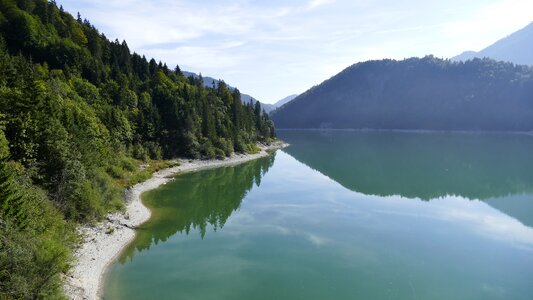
{"points": [[245, 98], [285, 100], [516, 48], [417, 94]]}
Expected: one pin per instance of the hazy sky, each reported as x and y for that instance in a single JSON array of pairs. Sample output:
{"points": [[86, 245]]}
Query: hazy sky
{"points": [[271, 49]]}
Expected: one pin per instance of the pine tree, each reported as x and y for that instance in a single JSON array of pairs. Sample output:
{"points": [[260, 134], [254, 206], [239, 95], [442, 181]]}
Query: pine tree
{"points": [[11, 200]]}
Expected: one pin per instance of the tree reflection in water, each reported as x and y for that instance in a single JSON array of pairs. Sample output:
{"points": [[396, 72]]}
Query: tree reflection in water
{"points": [[196, 201]]}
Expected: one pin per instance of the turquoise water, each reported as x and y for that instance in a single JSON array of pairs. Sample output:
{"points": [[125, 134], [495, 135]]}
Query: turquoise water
{"points": [[343, 215]]}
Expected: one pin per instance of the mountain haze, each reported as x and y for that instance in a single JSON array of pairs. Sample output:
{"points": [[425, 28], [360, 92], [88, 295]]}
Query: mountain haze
{"points": [[285, 100], [516, 48], [418, 94]]}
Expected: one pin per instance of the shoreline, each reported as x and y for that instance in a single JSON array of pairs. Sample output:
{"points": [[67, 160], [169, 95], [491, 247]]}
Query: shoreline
{"points": [[422, 131], [103, 243]]}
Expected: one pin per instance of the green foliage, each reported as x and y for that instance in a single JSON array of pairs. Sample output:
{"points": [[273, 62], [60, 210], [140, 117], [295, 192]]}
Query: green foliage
{"points": [[12, 205], [33, 256], [252, 148], [78, 114]]}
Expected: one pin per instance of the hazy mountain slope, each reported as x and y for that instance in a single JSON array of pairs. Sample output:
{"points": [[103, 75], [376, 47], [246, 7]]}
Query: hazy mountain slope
{"points": [[285, 100], [516, 48], [418, 93]]}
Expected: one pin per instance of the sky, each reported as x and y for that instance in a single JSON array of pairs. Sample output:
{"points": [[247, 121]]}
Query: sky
{"points": [[272, 49]]}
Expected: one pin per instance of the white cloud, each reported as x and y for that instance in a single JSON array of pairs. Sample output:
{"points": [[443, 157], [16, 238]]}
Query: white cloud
{"points": [[272, 49], [490, 23], [488, 222], [197, 58], [316, 3]]}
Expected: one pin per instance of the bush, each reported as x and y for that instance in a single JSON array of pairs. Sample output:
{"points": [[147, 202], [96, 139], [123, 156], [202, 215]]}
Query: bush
{"points": [[240, 145], [154, 150], [116, 171], [111, 194], [226, 146], [139, 177], [252, 148], [139, 152], [207, 149], [33, 258], [219, 153], [129, 164]]}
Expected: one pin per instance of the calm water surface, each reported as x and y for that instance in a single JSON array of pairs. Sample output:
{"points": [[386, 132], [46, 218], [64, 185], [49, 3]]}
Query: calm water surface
{"points": [[343, 215]]}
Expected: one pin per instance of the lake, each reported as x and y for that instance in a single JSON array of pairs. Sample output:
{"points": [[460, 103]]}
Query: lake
{"points": [[343, 215]]}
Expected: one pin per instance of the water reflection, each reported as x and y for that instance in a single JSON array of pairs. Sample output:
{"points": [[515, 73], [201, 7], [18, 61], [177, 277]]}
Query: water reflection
{"points": [[519, 207], [301, 235], [205, 199], [490, 167]]}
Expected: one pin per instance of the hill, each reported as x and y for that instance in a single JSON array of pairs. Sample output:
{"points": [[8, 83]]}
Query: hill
{"points": [[516, 48], [418, 94]]}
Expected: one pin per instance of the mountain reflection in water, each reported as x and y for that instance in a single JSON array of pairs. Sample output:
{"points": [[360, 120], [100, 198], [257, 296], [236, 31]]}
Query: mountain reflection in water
{"points": [[496, 168]]}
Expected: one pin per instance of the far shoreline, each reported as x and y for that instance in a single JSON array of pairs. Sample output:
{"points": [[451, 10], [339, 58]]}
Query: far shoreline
{"points": [[103, 243], [420, 131]]}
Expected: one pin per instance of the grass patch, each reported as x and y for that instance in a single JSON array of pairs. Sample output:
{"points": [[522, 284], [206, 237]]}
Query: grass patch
{"points": [[124, 176], [156, 165], [252, 149]]}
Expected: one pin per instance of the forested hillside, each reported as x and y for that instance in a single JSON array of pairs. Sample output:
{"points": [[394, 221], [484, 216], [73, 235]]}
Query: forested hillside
{"points": [[78, 113], [418, 93]]}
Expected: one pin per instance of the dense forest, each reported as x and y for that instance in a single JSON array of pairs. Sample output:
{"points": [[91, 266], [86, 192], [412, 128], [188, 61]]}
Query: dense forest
{"points": [[78, 114], [418, 93]]}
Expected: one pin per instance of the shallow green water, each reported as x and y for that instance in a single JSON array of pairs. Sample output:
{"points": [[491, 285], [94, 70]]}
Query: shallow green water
{"points": [[344, 215]]}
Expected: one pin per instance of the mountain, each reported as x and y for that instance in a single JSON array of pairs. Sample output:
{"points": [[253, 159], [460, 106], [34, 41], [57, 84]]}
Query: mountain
{"points": [[284, 100], [418, 94], [516, 48], [211, 82]]}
